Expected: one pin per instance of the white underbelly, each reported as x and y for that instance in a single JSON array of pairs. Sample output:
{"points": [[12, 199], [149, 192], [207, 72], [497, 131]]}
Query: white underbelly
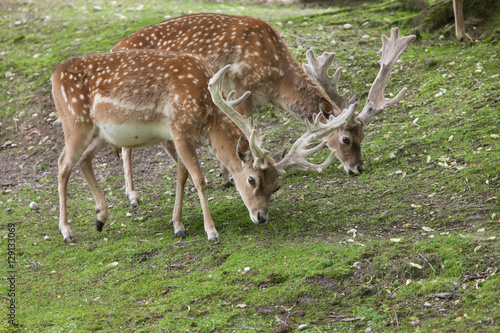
{"points": [[134, 135]]}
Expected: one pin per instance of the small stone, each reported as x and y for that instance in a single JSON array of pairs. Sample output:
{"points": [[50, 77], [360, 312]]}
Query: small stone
{"points": [[365, 23], [398, 172], [363, 42], [368, 330], [33, 205], [17, 23], [97, 8], [128, 214], [365, 36], [392, 156], [246, 269], [347, 26], [427, 304], [441, 37], [302, 327], [357, 265], [46, 237]]}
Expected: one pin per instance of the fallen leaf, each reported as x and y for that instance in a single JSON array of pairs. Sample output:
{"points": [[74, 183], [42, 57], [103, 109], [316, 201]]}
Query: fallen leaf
{"points": [[428, 229], [416, 265]]}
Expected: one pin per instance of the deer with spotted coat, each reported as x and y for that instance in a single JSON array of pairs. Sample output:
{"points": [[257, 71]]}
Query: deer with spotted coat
{"points": [[138, 98], [262, 64]]}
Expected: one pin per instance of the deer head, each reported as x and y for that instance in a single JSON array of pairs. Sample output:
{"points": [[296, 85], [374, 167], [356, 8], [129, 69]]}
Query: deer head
{"points": [[346, 141], [257, 178]]}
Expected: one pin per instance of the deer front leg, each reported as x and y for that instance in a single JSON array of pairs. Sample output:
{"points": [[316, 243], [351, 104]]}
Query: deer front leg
{"points": [[187, 153], [130, 192], [85, 164], [182, 175], [169, 147]]}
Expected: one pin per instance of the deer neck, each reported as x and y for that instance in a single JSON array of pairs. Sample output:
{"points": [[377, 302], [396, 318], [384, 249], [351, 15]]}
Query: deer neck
{"points": [[298, 94]]}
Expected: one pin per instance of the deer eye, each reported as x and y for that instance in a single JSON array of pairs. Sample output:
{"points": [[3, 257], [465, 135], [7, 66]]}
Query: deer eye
{"points": [[346, 140], [251, 180]]}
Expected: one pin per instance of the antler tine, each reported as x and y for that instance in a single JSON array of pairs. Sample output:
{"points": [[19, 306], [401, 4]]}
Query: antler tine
{"points": [[296, 158], [245, 124], [317, 69], [392, 49]]}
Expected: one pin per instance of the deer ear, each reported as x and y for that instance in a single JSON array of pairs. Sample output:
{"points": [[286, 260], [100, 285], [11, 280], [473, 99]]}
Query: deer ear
{"points": [[279, 155], [325, 107], [243, 150]]}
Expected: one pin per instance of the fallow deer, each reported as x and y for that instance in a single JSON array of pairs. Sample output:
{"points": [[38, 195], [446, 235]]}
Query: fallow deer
{"points": [[261, 63], [138, 98]]}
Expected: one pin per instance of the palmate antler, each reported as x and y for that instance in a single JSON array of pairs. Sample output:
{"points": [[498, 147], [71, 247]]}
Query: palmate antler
{"points": [[392, 49], [296, 158], [245, 124], [298, 154]]}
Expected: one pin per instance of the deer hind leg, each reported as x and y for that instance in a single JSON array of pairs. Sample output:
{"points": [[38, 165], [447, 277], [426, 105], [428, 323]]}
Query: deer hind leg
{"points": [[85, 164], [130, 192], [459, 23], [75, 146], [187, 153]]}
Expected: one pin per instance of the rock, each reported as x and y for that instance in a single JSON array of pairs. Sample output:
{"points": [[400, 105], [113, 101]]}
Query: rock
{"points": [[128, 214], [363, 42], [302, 327], [97, 8], [357, 265], [441, 37], [46, 237], [246, 269], [33, 205], [427, 304], [392, 156], [347, 26]]}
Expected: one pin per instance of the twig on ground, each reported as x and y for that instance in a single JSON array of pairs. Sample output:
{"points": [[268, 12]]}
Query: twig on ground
{"points": [[434, 270]]}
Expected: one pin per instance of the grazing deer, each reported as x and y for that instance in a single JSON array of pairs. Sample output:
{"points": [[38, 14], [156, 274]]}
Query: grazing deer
{"points": [[261, 63], [138, 98], [459, 23]]}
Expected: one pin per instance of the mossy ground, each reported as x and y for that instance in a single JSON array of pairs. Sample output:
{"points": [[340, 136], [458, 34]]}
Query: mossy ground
{"points": [[424, 254]]}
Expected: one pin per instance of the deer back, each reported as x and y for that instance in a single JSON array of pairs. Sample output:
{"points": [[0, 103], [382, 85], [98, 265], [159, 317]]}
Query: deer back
{"points": [[261, 61], [134, 98]]}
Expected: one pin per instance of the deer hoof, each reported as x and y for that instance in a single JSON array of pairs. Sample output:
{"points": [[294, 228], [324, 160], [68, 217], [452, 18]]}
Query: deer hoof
{"points": [[181, 233], [214, 239], [69, 239], [99, 225], [136, 203]]}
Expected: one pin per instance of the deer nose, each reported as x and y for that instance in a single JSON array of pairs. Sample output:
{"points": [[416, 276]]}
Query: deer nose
{"points": [[261, 218], [361, 168]]}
